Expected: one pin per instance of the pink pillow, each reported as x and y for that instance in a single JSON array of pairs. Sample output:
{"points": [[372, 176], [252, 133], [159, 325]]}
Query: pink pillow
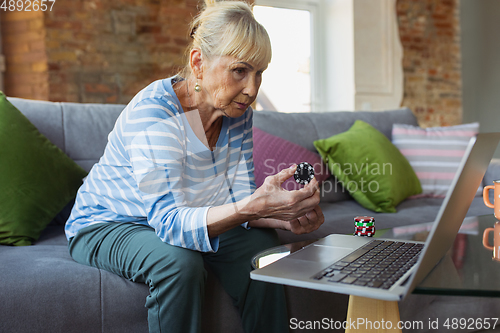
{"points": [[271, 154], [434, 153]]}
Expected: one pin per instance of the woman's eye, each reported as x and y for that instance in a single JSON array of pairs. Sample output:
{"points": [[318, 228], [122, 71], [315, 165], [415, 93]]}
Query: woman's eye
{"points": [[239, 70]]}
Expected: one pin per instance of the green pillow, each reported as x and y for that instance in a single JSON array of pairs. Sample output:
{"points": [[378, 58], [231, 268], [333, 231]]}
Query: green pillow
{"points": [[370, 167], [36, 178]]}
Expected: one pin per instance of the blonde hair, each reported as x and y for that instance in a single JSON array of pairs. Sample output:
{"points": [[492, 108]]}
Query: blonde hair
{"points": [[228, 28]]}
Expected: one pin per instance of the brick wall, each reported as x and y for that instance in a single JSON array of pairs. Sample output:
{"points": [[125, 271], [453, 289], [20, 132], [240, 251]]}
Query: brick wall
{"points": [[23, 38], [96, 51], [430, 35], [106, 51]]}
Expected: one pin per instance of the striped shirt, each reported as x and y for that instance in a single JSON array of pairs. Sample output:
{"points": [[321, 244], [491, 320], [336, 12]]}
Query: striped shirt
{"points": [[155, 171]]}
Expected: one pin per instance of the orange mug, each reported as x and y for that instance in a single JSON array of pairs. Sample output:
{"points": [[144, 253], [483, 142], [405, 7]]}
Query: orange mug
{"points": [[496, 240], [496, 202]]}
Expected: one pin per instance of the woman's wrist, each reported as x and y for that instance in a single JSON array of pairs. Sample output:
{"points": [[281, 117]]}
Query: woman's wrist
{"points": [[250, 207], [222, 218]]}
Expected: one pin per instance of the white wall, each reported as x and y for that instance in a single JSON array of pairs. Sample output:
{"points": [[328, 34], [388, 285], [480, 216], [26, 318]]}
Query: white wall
{"points": [[378, 55], [338, 58], [363, 58], [480, 44]]}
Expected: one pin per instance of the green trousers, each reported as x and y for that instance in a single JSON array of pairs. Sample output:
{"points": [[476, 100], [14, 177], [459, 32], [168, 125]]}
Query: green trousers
{"points": [[176, 276]]}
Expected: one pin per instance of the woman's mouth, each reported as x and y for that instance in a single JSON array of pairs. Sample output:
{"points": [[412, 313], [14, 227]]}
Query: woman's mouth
{"points": [[242, 106]]}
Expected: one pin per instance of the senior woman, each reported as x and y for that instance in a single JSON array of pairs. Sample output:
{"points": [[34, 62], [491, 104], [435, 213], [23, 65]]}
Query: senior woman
{"points": [[175, 189]]}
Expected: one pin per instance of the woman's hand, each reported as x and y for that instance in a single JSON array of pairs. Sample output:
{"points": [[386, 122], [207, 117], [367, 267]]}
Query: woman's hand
{"points": [[297, 211], [272, 201], [271, 206], [302, 225], [307, 223]]}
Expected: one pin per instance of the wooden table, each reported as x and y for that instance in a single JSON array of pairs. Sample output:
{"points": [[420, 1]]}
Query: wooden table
{"points": [[372, 315]]}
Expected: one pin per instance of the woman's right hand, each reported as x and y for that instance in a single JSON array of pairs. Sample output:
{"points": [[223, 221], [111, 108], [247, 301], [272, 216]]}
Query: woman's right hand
{"points": [[272, 201]]}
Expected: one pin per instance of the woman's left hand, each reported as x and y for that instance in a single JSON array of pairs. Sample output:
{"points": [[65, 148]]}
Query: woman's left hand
{"points": [[302, 225], [307, 223]]}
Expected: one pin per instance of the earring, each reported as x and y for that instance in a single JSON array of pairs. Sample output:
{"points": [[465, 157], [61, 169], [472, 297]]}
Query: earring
{"points": [[197, 87]]}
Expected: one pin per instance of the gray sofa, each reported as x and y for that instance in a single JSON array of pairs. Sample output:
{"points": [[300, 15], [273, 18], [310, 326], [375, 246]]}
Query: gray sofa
{"points": [[43, 290]]}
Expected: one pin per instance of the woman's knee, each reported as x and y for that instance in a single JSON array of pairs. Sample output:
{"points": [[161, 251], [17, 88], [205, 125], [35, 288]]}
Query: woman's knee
{"points": [[190, 267], [185, 267]]}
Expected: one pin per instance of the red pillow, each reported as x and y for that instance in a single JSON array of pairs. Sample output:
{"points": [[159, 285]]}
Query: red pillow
{"points": [[271, 154]]}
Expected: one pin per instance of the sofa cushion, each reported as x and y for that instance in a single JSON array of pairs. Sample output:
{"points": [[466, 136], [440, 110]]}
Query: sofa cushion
{"points": [[45, 290], [46, 116], [333, 191], [37, 179], [271, 154], [307, 127], [371, 168], [434, 153], [96, 121]]}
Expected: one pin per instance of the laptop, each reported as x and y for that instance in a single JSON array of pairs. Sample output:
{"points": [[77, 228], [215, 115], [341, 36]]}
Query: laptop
{"points": [[340, 263]]}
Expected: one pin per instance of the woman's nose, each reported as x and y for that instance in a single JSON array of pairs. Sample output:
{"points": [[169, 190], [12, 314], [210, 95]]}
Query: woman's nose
{"points": [[252, 88]]}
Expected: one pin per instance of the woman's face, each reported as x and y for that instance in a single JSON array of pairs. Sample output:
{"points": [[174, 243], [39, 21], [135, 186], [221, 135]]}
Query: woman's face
{"points": [[230, 85]]}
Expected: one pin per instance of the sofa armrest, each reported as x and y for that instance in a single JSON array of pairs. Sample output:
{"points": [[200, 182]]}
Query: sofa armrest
{"points": [[492, 173]]}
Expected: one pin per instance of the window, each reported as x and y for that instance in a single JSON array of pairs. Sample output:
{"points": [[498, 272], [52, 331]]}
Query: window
{"points": [[288, 82], [331, 55]]}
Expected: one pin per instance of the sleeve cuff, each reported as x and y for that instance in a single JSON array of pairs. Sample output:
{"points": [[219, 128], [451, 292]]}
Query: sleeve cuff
{"points": [[214, 244]]}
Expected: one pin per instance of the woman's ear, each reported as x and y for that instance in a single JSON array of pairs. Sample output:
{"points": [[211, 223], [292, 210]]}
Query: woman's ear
{"points": [[196, 63]]}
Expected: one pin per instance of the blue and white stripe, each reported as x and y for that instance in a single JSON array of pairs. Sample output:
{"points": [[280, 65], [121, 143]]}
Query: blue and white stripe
{"points": [[155, 171]]}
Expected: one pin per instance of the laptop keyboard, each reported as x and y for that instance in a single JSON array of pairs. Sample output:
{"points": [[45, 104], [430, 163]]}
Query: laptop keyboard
{"points": [[378, 264]]}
